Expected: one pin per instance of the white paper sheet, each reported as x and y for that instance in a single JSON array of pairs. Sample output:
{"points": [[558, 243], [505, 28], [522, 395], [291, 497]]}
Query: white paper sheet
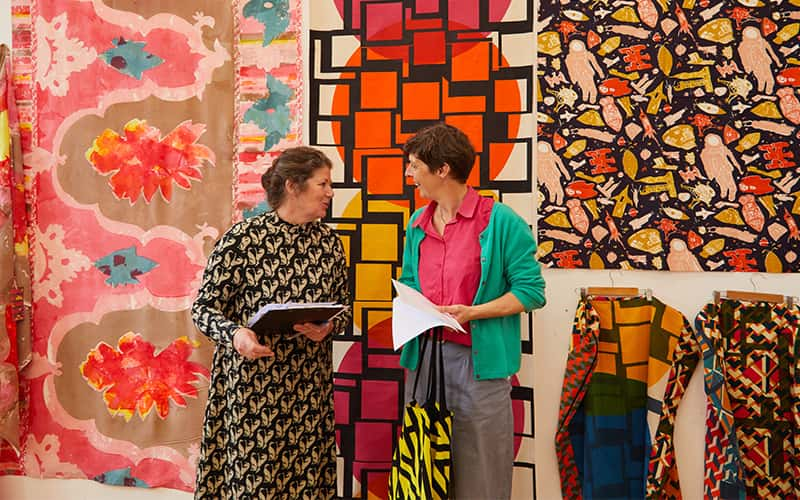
{"points": [[413, 313]]}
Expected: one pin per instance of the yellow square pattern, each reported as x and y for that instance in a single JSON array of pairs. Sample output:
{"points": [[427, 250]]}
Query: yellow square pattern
{"points": [[607, 346], [606, 363], [672, 322], [632, 315], [373, 282], [379, 242], [635, 344], [637, 372], [657, 371], [603, 308]]}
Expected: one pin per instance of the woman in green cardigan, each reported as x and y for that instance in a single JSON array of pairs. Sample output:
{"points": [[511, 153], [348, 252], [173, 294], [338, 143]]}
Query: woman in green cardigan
{"points": [[475, 258]]}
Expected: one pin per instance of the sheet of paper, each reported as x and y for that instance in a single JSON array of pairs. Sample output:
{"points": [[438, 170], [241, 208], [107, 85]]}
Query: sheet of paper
{"points": [[413, 314]]}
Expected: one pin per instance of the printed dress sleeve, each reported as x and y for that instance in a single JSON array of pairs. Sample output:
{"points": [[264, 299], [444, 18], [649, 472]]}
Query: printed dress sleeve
{"points": [[581, 361], [723, 474], [522, 270], [341, 287], [212, 309]]}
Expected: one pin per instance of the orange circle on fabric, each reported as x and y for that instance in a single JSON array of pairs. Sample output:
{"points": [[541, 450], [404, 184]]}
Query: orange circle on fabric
{"points": [[374, 122]]}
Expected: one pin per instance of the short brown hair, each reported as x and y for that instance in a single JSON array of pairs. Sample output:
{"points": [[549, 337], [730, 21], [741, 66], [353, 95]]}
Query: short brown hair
{"points": [[296, 165], [442, 143]]}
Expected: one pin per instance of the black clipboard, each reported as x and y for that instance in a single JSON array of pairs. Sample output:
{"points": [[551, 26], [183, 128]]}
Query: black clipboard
{"points": [[281, 320]]}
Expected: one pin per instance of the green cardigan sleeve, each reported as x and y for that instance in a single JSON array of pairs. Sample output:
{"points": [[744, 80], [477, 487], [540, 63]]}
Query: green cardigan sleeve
{"points": [[518, 250]]}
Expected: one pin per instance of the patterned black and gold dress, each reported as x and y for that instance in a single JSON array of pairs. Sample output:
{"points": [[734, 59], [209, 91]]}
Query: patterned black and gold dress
{"points": [[269, 424]]}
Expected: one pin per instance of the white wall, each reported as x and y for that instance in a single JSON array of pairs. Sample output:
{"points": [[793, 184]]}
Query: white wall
{"points": [[687, 292], [5, 24]]}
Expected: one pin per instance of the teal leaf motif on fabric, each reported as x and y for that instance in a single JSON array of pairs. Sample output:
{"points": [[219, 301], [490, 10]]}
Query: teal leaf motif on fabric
{"points": [[259, 209], [120, 477], [123, 266], [130, 58], [272, 114], [274, 15]]}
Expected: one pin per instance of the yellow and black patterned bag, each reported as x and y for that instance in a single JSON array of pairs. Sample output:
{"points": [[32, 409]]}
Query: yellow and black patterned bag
{"points": [[421, 463]]}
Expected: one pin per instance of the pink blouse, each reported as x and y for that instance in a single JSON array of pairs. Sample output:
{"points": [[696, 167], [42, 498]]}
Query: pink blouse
{"points": [[450, 265]]}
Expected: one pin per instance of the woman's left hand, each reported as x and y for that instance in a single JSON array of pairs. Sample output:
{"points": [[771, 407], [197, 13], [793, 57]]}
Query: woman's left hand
{"points": [[314, 331], [462, 314]]}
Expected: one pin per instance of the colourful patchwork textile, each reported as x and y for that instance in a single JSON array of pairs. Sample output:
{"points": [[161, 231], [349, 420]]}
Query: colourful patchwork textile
{"points": [[269, 95], [621, 355], [753, 361]]}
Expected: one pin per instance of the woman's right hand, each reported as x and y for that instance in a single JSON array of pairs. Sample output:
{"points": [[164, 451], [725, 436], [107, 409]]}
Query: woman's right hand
{"points": [[246, 343]]}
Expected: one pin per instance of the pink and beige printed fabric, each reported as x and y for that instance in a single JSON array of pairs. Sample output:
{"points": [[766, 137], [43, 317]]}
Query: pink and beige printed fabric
{"points": [[269, 107], [132, 173], [129, 164]]}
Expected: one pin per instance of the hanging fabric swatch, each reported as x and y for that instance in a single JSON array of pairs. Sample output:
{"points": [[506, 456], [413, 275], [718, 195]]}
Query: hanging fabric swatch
{"points": [[269, 93], [126, 116], [621, 355], [667, 135], [12, 229], [752, 353]]}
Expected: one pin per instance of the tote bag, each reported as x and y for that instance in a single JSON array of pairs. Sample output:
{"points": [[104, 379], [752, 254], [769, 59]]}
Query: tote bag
{"points": [[421, 464]]}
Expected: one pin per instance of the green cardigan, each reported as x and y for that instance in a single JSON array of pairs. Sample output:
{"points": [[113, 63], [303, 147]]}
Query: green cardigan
{"points": [[508, 263]]}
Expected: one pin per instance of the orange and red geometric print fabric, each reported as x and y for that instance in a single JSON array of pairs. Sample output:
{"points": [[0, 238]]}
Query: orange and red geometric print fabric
{"points": [[755, 346], [379, 71]]}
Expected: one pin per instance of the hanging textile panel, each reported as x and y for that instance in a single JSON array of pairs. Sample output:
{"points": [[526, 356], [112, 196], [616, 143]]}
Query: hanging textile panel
{"points": [[269, 96], [623, 355], [722, 476], [668, 135], [378, 72], [11, 292], [126, 109], [754, 346]]}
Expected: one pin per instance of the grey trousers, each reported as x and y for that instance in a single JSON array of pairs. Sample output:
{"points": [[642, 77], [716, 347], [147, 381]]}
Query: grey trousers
{"points": [[483, 425]]}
